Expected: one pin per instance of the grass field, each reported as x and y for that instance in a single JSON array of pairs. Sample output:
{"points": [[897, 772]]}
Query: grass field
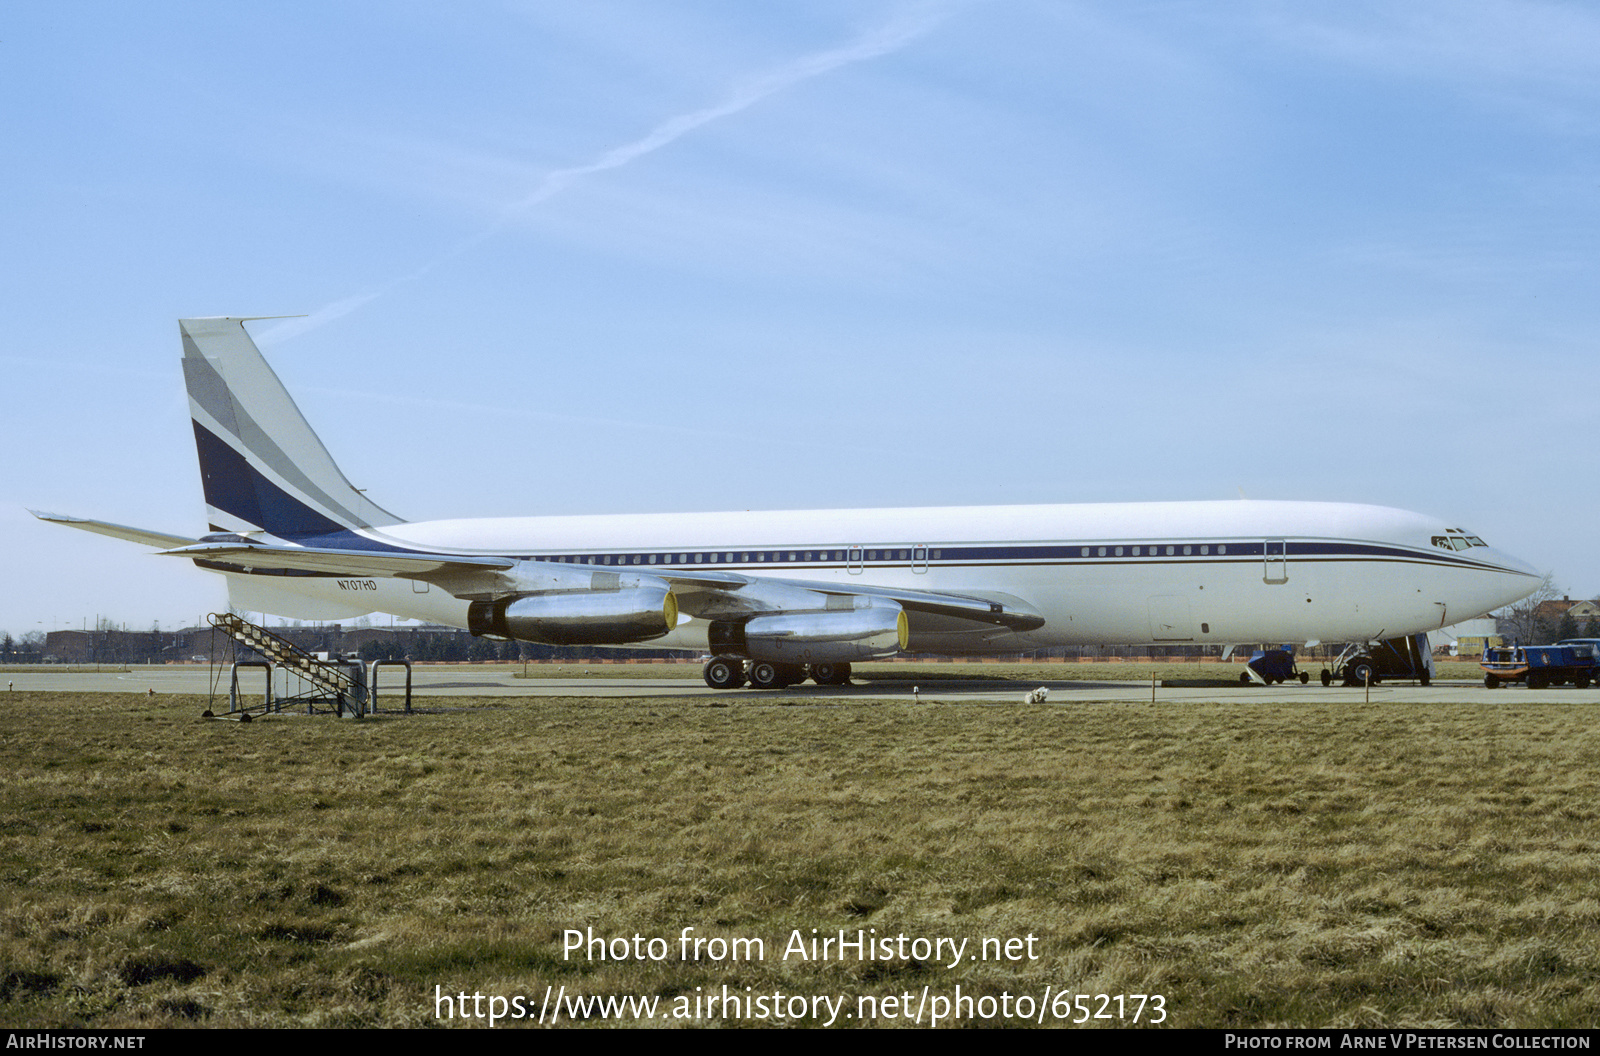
{"points": [[1314, 864]]}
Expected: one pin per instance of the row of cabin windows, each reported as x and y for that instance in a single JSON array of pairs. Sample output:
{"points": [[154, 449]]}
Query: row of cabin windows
{"points": [[744, 555], [1154, 551], [760, 556]]}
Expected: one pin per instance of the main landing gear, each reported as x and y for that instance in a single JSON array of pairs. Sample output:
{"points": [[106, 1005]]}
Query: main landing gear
{"points": [[723, 672]]}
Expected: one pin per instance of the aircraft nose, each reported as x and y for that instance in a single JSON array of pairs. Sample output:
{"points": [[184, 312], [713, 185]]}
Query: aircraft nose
{"points": [[1519, 578]]}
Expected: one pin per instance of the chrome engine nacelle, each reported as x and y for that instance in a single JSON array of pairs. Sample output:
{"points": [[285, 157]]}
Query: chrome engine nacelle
{"points": [[607, 617], [850, 629]]}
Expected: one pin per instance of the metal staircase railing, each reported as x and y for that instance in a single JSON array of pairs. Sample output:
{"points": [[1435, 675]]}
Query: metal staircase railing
{"points": [[331, 678]]}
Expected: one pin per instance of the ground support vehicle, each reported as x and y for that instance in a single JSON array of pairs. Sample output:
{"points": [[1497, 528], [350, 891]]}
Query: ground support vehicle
{"points": [[1539, 666], [1368, 663], [1268, 667]]}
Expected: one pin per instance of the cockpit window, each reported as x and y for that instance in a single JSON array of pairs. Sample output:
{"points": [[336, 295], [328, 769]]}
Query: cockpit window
{"points": [[1457, 540]]}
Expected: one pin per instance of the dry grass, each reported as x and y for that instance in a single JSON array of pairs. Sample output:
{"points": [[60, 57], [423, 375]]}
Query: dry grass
{"points": [[1316, 864]]}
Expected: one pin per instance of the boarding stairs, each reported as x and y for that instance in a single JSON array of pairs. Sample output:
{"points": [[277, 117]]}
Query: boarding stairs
{"points": [[334, 683]]}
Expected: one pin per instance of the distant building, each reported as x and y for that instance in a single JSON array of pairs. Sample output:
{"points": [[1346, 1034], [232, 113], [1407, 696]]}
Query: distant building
{"points": [[1581, 611], [1470, 637]]}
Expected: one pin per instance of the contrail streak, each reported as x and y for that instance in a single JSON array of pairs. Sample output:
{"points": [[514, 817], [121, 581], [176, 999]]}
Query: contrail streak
{"points": [[881, 41]]}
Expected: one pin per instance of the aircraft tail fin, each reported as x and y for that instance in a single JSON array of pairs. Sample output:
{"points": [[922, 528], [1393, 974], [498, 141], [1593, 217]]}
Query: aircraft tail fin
{"points": [[262, 466]]}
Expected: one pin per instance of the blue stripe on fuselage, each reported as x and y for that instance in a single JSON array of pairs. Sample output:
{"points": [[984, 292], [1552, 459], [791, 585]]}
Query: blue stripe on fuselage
{"points": [[746, 560]]}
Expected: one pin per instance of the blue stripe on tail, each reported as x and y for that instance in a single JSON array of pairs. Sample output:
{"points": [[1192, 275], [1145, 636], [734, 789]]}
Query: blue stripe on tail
{"points": [[235, 487]]}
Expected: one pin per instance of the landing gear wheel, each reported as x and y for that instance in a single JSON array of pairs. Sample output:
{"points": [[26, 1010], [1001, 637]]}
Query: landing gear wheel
{"points": [[1327, 677], [722, 673], [764, 674], [830, 674], [1360, 673], [1305, 677]]}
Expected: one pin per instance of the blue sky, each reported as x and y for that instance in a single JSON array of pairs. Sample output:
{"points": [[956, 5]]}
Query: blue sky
{"points": [[617, 257]]}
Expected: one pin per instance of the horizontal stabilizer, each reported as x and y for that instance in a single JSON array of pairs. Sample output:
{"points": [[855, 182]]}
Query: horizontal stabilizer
{"points": [[340, 562], [116, 531]]}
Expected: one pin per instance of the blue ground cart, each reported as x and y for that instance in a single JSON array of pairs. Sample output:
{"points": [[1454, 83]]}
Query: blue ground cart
{"points": [[1539, 666]]}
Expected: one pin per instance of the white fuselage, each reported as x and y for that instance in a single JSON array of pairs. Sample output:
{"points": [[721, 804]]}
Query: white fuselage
{"points": [[1138, 573]]}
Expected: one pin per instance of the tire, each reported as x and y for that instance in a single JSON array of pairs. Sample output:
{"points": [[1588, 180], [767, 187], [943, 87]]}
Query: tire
{"points": [[764, 674], [1491, 681], [722, 673], [1361, 673], [1305, 677], [1535, 681], [830, 674], [1244, 678], [1581, 681], [1327, 677]]}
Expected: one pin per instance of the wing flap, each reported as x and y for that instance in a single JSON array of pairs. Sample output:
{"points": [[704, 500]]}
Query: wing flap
{"points": [[997, 610], [1000, 610]]}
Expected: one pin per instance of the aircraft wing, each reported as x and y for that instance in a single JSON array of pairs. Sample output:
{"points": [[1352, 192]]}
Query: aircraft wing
{"points": [[708, 592]]}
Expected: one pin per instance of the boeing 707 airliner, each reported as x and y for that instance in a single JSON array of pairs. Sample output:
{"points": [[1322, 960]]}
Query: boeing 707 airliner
{"points": [[776, 597]]}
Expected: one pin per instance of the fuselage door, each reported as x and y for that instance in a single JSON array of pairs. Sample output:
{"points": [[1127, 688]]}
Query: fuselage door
{"points": [[1169, 619], [1276, 552]]}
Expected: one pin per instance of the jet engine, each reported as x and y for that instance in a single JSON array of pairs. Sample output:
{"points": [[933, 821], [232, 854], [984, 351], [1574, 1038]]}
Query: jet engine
{"points": [[850, 629], [614, 617]]}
